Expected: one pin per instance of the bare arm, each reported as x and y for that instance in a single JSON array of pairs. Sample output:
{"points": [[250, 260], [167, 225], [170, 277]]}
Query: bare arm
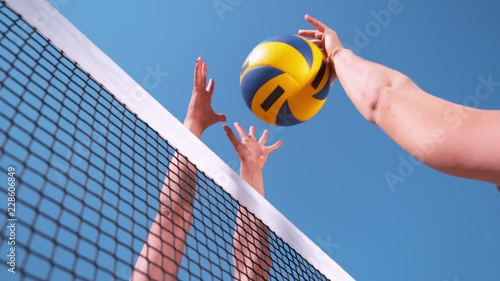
{"points": [[252, 259], [161, 255], [448, 137], [251, 250], [451, 138]]}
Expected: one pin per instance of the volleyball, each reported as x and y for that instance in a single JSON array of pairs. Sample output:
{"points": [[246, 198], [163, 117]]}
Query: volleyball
{"points": [[285, 80]]}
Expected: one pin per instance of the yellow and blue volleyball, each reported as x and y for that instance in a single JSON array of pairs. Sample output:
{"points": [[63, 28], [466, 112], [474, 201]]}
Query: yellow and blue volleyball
{"points": [[285, 80]]}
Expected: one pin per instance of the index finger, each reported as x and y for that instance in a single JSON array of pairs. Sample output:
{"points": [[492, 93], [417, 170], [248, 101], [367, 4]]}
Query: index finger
{"points": [[316, 23]]}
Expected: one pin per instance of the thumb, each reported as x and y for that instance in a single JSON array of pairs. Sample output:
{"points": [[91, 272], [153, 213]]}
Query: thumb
{"points": [[221, 118], [230, 134]]}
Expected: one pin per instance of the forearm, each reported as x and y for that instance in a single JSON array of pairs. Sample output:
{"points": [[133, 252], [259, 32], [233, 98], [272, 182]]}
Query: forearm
{"points": [[252, 257], [253, 176], [161, 255], [441, 134], [365, 82]]}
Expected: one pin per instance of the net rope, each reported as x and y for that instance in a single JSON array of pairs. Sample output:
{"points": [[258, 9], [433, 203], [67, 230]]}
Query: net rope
{"points": [[89, 174]]}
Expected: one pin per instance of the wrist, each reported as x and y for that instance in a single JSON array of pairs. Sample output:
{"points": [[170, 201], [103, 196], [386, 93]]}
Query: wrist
{"points": [[251, 167], [335, 53], [195, 127], [252, 174]]}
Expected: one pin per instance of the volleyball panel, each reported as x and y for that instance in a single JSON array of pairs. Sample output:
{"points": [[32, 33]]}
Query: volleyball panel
{"points": [[280, 56], [269, 99], [312, 96]]}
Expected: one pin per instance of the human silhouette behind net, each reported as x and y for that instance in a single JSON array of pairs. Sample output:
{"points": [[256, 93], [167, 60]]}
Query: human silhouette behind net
{"points": [[161, 255]]}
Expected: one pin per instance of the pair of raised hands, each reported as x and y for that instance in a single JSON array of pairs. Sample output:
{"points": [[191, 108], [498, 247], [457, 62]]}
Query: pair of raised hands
{"points": [[200, 114]]}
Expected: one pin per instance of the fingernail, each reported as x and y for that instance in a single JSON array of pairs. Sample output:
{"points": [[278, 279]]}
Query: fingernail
{"points": [[198, 59]]}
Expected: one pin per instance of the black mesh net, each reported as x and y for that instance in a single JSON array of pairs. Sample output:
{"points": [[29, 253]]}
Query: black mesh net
{"points": [[88, 178]]}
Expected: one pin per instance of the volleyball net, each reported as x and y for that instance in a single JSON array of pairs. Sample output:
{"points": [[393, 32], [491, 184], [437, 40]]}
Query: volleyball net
{"points": [[85, 157]]}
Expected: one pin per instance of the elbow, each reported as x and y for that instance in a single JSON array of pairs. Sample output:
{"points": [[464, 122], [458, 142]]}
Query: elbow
{"points": [[375, 96], [378, 95]]}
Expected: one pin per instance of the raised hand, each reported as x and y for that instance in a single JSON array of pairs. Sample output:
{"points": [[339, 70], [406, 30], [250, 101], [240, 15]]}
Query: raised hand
{"points": [[250, 151], [200, 114], [326, 39]]}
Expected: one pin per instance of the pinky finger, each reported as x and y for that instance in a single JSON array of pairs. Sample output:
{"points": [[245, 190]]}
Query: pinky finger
{"points": [[275, 146]]}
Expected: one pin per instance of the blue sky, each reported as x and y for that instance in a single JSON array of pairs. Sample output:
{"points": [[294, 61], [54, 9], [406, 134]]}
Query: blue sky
{"points": [[329, 176]]}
